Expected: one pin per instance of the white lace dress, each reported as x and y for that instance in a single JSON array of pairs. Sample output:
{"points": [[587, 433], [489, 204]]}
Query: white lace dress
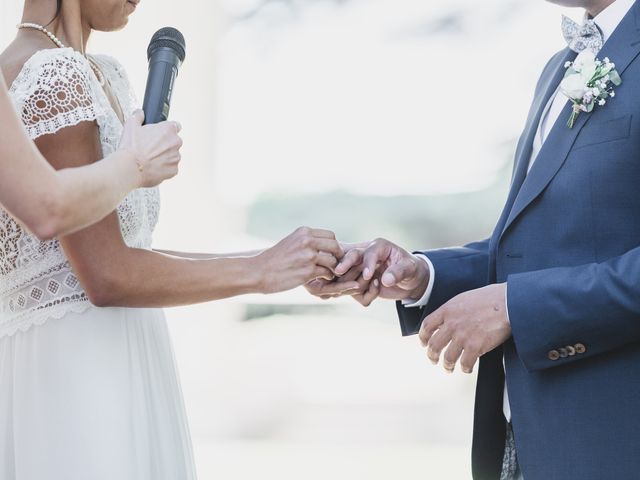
{"points": [[86, 393]]}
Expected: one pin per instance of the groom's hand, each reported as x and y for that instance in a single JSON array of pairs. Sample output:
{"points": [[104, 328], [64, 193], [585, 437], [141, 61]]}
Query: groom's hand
{"points": [[402, 275], [349, 284], [381, 268], [471, 324]]}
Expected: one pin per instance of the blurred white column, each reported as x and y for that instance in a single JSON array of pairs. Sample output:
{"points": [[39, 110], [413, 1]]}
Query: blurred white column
{"points": [[192, 217], [10, 14]]}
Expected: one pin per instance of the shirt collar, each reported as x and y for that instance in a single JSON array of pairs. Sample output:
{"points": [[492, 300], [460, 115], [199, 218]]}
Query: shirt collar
{"points": [[609, 19]]}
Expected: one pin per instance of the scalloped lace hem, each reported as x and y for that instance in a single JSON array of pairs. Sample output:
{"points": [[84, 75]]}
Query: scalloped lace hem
{"points": [[38, 318], [62, 120]]}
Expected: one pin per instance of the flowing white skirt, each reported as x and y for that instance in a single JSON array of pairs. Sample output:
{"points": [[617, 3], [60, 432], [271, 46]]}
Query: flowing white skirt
{"points": [[93, 396]]}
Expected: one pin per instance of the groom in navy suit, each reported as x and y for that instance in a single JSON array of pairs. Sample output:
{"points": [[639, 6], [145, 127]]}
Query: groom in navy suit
{"points": [[550, 304]]}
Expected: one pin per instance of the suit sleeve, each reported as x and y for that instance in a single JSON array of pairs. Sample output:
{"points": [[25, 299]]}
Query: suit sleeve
{"points": [[457, 270], [595, 306]]}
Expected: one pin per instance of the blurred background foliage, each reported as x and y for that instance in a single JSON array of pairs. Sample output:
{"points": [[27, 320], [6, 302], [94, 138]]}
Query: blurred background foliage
{"points": [[413, 221]]}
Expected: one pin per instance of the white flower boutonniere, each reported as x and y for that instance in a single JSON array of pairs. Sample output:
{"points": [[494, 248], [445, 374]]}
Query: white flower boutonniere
{"points": [[587, 82]]}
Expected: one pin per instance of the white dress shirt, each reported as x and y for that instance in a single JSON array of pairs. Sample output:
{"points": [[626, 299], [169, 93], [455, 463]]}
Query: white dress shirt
{"points": [[608, 20]]}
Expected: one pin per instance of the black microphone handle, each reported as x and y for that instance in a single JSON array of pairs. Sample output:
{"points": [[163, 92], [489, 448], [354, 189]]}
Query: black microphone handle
{"points": [[163, 70]]}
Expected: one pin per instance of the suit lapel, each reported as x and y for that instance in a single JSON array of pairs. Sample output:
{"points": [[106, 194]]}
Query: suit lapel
{"points": [[622, 47], [548, 86]]}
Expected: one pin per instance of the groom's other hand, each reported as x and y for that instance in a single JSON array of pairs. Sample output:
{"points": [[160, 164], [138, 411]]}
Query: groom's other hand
{"points": [[468, 326]]}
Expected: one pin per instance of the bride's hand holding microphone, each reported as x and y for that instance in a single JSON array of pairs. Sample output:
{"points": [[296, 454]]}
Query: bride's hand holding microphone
{"points": [[155, 148]]}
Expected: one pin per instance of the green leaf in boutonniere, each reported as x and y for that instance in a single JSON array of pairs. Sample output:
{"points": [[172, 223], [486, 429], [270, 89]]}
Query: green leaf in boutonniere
{"points": [[614, 76]]}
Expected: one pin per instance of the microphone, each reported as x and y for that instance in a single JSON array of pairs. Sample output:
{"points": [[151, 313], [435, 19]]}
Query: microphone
{"points": [[166, 53]]}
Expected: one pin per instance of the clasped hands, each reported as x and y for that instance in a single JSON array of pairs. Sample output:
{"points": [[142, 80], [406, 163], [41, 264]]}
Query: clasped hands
{"points": [[465, 328]]}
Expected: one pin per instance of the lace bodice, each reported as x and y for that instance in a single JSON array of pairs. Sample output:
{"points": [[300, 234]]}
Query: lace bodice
{"points": [[56, 89]]}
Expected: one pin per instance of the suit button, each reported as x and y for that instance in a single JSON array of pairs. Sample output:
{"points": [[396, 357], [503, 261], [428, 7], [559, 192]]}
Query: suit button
{"points": [[580, 348], [554, 355], [564, 353], [570, 350]]}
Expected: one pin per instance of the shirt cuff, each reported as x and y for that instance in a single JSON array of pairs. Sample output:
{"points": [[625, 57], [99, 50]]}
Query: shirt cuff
{"points": [[412, 303], [506, 303]]}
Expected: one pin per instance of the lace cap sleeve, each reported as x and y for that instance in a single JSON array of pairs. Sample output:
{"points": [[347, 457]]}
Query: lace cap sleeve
{"points": [[54, 91]]}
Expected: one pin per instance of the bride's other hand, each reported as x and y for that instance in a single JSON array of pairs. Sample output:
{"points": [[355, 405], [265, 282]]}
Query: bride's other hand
{"points": [[305, 255], [155, 148]]}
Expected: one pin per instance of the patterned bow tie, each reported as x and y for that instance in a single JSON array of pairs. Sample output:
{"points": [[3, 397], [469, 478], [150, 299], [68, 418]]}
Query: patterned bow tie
{"points": [[579, 37]]}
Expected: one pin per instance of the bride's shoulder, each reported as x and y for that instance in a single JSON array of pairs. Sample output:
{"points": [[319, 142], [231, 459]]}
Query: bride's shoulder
{"points": [[54, 90], [111, 65], [27, 55], [106, 59], [118, 79], [49, 67]]}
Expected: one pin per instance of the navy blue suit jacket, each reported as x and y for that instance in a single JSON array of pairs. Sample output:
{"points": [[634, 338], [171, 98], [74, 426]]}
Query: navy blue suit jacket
{"points": [[568, 246]]}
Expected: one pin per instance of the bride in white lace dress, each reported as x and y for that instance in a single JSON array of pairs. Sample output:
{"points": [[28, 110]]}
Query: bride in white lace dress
{"points": [[88, 384]]}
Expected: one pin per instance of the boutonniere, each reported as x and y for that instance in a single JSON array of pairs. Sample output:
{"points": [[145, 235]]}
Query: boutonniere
{"points": [[587, 82]]}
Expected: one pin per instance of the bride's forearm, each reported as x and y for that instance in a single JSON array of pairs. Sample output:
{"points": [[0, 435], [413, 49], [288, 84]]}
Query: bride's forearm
{"points": [[209, 256], [115, 275], [170, 281]]}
